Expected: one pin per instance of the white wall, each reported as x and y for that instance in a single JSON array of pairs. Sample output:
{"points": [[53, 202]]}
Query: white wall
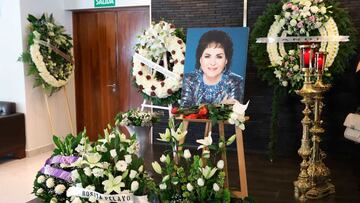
{"points": [[38, 131], [12, 82]]}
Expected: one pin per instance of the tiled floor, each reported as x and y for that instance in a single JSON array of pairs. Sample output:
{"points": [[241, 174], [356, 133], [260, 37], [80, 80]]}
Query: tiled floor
{"points": [[17, 176]]}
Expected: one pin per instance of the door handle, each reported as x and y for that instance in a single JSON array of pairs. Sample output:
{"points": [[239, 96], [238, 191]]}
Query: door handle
{"points": [[113, 86]]}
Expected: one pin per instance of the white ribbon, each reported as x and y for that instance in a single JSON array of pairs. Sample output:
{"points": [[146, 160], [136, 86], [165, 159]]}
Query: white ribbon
{"points": [[157, 67], [124, 197], [303, 39]]}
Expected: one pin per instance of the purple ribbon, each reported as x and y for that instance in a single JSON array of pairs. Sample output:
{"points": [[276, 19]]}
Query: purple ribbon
{"points": [[47, 169]]}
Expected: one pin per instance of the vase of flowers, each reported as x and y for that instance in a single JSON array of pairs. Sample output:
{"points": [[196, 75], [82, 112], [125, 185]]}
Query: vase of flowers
{"points": [[138, 123], [191, 178]]}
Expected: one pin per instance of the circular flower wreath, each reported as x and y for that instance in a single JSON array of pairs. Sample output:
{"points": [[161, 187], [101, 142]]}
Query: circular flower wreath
{"points": [[158, 41], [50, 53], [280, 67], [301, 18]]}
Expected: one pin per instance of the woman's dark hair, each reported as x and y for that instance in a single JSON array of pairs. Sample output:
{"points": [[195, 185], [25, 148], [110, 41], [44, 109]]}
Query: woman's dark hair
{"points": [[221, 40]]}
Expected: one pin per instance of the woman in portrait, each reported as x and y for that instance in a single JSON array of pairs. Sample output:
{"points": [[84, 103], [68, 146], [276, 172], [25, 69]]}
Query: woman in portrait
{"points": [[212, 82]]}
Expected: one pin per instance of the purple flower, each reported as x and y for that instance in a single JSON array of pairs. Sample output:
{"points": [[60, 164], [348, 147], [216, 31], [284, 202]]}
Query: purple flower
{"points": [[300, 24]]}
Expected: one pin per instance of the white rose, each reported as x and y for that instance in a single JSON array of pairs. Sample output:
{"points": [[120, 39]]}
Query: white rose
{"points": [[162, 186], [323, 10], [141, 169], [187, 154], [216, 187], [296, 68], [98, 172], [284, 83], [134, 186], [293, 22], [90, 187], [318, 24], [39, 191], [50, 183], [307, 3], [287, 14], [128, 159], [113, 153], [87, 171], [220, 164], [132, 174], [163, 158], [314, 9], [121, 165], [200, 182], [53, 200], [189, 187], [41, 179], [74, 175], [59, 189], [92, 199]]}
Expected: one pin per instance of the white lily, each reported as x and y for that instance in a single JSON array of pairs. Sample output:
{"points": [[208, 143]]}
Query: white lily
{"points": [[179, 134], [208, 172], [113, 184], [93, 159], [240, 108], [205, 142], [165, 137], [156, 166]]}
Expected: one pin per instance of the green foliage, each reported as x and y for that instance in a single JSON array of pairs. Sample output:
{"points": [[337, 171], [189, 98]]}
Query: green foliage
{"points": [[67, 147]]}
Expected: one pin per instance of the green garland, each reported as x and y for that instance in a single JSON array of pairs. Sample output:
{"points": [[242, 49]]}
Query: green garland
{"points": [[266, 73]]}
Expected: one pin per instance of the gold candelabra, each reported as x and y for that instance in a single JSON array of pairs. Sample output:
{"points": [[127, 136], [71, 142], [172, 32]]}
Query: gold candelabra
{"points": [[313, 181]]}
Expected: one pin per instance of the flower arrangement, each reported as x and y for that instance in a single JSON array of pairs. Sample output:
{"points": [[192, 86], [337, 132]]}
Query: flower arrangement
{"points": [[196, 179], [106, 170], [233, 113], [163, 44], [300, 17], [289, 72], [135, 117], [53, 180], [111, 170], [49, 55]]}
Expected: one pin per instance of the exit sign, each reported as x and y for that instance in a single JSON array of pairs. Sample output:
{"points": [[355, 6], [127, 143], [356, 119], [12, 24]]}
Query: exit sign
{"points": [[104, 3]]}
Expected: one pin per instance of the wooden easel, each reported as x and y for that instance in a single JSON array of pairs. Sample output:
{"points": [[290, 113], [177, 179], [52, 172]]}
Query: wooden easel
{"points": [[243, 192]]}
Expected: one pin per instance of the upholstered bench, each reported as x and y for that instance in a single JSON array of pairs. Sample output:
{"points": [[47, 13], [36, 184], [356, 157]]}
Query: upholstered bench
{"points": [[12, 130]]}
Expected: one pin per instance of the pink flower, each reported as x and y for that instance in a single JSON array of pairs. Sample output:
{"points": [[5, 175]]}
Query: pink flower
{"points": [[292, 58], [300, 24], [312, 18], [289, 5], [295, 8]]}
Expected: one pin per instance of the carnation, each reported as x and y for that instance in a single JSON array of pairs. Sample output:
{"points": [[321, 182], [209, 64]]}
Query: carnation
{"points": [[41, 179], [50, 183], [59, 189]]}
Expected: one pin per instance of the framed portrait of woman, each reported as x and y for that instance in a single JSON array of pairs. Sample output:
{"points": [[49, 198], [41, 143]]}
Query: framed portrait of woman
{"points": [[215, 65]]}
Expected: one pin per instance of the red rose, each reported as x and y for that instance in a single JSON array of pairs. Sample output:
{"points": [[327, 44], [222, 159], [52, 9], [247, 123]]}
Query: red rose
{"points": [[175, 110], [203, 111], [192, 116]]}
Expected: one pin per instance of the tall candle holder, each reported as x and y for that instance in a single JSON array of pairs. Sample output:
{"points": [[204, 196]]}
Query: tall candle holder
{"points": [[302, 184], [319, 174]]}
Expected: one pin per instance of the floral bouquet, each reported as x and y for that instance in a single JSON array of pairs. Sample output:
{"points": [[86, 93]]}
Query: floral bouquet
{"points": [[300, 17], [135, 117], [187, 178], [233, 113], [111, 171], [54, 178]]}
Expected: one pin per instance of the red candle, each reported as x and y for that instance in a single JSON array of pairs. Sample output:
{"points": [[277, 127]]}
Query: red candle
{"points": [[307, 53], [320, 61]]}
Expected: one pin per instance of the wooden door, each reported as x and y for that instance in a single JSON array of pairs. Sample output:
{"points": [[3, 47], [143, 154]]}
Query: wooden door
{"points": [[102, 79]]}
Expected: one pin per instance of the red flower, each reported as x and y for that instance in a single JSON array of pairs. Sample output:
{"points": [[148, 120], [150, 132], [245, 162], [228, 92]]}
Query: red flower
{"points": [[203, 111], [192, 116], [175, 110]]}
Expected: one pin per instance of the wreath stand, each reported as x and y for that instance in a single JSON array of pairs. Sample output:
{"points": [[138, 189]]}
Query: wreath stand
{"points": [[243, 192], [68, 58]]}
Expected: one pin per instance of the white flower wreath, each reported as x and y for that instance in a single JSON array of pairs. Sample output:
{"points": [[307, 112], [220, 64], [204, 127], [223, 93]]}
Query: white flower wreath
{"points": [[299, 17], [155, 43], [277, 51], [49, 56]]}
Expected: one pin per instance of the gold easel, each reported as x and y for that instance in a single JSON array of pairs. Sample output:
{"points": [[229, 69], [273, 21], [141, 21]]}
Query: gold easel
{"points": [[243, 192]]}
